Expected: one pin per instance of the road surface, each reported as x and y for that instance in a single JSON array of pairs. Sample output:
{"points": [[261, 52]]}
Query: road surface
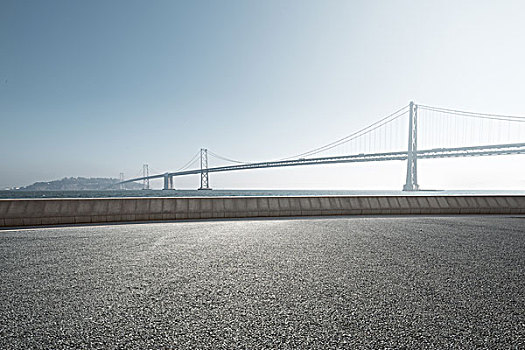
{"points": [[319, 283]]}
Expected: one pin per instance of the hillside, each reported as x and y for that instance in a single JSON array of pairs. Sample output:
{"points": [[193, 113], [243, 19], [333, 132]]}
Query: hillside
{"points": [[79, 184]]}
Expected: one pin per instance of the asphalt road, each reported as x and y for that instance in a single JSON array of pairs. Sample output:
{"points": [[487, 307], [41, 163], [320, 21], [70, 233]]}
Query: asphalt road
{"points": [[325, 283]]}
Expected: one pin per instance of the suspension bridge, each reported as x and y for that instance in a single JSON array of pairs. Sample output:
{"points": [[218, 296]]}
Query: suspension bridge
{"points": [[410, 133]]}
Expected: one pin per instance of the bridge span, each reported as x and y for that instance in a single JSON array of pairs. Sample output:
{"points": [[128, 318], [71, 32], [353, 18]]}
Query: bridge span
{"points": [[410, 155], [476, 151]]}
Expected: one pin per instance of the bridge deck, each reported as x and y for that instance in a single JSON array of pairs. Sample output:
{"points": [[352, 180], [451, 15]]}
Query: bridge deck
{"points": [[475, 151]]}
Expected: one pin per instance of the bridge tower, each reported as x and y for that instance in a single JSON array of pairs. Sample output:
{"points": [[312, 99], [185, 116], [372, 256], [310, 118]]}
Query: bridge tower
{"points": [[121, 178], [145, 174], [168, 181], [204, 170], [411, 181]]}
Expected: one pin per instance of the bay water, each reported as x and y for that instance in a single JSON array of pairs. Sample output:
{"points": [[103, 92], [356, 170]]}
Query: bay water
{"points": [[12, 194]]}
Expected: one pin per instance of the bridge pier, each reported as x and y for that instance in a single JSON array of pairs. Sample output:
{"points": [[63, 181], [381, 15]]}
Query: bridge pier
{"points": [[411, 180], [168, 182]]}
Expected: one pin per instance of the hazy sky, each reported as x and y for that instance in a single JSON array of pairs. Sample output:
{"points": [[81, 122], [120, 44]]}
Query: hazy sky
{"points": [[96, 88]]}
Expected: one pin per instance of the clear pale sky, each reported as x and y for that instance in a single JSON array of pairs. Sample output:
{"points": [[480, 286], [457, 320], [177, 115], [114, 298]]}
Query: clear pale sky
{"points": [[95, 88]]}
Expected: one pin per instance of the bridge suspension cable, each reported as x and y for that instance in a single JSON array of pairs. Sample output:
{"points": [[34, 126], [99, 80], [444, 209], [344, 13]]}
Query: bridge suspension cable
{"points": [[225, 158], [474, 114], [154, 170], [190, 162], [444, 127], [386, 120], [139, 173]]}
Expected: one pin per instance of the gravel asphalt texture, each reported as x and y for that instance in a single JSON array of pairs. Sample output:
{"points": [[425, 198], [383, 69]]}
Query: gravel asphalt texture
{"points": [[318, 283]]}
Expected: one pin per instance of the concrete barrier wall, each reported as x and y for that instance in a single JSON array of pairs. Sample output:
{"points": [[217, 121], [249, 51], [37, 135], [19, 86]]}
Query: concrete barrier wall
{"points": [[33, 212]]}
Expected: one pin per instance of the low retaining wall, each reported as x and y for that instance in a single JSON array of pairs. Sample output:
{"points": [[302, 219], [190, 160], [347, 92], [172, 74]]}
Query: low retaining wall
{"points": [[31, 212]]}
